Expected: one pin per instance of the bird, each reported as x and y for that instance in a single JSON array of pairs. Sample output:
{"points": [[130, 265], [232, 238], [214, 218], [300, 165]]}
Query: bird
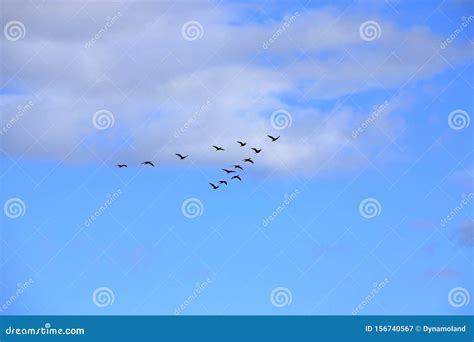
{"points": [[228, 171], [214, 186], [248, 160], [148, 163], [223, 182], [218, 148], [237, 177], [242, 144], [121, 165], [256, 150], [273, 138], [181, 157], [238, 167]]}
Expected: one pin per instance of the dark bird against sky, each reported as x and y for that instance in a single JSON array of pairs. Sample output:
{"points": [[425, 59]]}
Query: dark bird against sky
{"points": [[214, 186], [218, 148], [273, 138]]}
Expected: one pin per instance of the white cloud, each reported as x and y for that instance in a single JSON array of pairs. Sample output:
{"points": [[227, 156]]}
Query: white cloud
{"points": [[153, 81]]}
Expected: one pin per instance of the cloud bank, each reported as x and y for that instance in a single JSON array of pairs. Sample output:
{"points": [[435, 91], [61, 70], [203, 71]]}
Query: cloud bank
{"points": [[178, 77]]}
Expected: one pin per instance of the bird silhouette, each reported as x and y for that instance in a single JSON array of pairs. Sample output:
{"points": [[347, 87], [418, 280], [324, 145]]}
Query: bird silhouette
{"points": [[148, 163], [237, 177], [181, 157], [238, 167], [256, 150], [242, 144], [218, 148], [223, 182], [121, 165], [273, 138], [214, 186], [248, 160], [228, 171]]}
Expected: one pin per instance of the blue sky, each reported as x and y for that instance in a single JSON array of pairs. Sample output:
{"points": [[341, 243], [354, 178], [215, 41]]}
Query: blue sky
{"points": [[88, 85]]}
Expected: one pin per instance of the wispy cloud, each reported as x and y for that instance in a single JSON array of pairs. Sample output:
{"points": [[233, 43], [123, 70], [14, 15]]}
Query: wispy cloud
{"points": [[154, 82]]}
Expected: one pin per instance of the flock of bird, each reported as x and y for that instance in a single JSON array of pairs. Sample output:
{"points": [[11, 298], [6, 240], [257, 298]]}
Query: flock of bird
{"points": [[217, 149]]}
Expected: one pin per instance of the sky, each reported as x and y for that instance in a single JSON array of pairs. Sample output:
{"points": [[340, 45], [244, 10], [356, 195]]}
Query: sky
{"points": [[364, 205]]}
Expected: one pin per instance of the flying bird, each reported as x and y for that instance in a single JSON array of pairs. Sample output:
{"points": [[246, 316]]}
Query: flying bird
{"points": [[214, 186], [242, 144], [237, 177], [223, 182], [238, 167], [256, 150], [248, 160], [273, 138], [148, 163], [181, 157], [228, 171], [121, 165], [218, 148]]}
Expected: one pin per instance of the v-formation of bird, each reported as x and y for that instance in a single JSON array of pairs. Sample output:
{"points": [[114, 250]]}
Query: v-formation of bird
{"points": [[217, 149]]}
